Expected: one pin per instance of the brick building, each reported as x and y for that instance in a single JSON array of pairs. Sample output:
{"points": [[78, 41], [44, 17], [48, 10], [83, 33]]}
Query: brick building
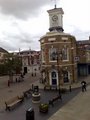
{"points": [[83, 54], [58, 52], [30, 61]]}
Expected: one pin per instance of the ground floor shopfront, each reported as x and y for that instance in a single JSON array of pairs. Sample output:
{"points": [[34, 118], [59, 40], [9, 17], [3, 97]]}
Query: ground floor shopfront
{"points": [[55, 76], [83, 69]]}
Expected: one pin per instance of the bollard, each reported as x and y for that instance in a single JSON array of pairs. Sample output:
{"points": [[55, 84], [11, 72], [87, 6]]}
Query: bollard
{"points": [[70, 88]]}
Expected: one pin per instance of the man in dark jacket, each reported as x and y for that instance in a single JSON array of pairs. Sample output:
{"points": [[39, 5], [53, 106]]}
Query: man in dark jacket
{"points": [[83, 83]]}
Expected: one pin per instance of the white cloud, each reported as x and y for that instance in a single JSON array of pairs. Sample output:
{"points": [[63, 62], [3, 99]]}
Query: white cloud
{"points": [[77, 13], [23, 22], [22, 8]]}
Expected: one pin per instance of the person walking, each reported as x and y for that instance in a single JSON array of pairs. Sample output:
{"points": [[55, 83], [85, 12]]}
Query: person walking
{"points": [[83, 83], [8, 83]]}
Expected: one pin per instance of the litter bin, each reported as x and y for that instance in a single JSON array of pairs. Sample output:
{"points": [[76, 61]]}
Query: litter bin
{"points": [[30, 114]]}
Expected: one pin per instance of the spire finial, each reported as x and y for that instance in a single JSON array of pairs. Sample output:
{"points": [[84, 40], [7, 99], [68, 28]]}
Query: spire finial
{"points": [[55, 3]]}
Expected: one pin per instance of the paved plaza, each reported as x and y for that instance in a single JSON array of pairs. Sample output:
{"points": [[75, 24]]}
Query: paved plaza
{"points": [[76, 109], [15, 88], [75, 104]]}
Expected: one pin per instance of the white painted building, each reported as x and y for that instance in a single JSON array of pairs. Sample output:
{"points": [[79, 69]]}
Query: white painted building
{"points": [[30, 61]]}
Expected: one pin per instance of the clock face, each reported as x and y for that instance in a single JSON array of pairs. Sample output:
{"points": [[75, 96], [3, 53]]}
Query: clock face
{"points": [[54, 17]]}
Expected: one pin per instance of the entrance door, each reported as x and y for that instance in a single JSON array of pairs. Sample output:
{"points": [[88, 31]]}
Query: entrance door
{"points": [[54, 77], [88, 69]]}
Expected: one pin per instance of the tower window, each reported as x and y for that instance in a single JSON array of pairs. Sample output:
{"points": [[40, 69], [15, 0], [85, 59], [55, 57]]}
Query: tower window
{"points": [[52, 54], [65, 53], [43, 55]]}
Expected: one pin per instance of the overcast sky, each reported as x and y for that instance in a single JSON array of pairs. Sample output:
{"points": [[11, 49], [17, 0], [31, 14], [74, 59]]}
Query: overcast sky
{"points": [[23, 22]]}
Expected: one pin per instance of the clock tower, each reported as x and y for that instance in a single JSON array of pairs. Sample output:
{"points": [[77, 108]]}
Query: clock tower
{"points": [[58, 52], [56, 19]]}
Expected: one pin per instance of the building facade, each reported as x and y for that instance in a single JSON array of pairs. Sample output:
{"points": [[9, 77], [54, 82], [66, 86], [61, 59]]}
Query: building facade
{"points": [[3, 52], [83, 53], [58, 52], [30, 61]]}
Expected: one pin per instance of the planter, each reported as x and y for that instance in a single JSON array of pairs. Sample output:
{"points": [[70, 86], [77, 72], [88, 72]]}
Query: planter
{"points": [[36, 98], [43, 108]]}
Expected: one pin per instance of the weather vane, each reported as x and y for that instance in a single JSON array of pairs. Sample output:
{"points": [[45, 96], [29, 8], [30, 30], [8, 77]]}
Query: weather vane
{"points": [[55, 3]]}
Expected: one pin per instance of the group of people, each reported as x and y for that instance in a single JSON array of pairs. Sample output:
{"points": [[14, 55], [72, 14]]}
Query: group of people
{"points": [[17, 79]]}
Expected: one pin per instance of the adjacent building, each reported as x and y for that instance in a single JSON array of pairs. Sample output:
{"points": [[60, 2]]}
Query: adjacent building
{"points": [[3, 52], [83, 55], [30, 61]]}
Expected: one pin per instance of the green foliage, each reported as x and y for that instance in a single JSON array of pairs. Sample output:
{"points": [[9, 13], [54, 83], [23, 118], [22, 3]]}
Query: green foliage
{"points": [[11, 64], [3, 69], [43, 107]]}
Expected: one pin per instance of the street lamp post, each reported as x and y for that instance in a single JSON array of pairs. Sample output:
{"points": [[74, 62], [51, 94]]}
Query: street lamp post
{"points": [[58, 55], [58, 73], [32, 70], [32, 63], [72, 61]]}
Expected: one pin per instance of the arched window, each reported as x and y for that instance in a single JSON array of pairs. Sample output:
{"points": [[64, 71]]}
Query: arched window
{"points": [[43, 55], [52, 54], [65, 53]]}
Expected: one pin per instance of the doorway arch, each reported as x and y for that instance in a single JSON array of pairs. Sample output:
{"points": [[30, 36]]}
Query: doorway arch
{"points": [[54, 77]]}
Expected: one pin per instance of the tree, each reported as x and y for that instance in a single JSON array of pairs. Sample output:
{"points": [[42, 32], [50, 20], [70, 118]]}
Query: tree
{"points": [[12, 64]]}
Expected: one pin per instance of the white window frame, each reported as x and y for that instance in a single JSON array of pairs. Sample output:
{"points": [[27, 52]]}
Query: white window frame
{"points": [[50, 76], [43, 55], [88, 56], [67, 54], [51, 51]]}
